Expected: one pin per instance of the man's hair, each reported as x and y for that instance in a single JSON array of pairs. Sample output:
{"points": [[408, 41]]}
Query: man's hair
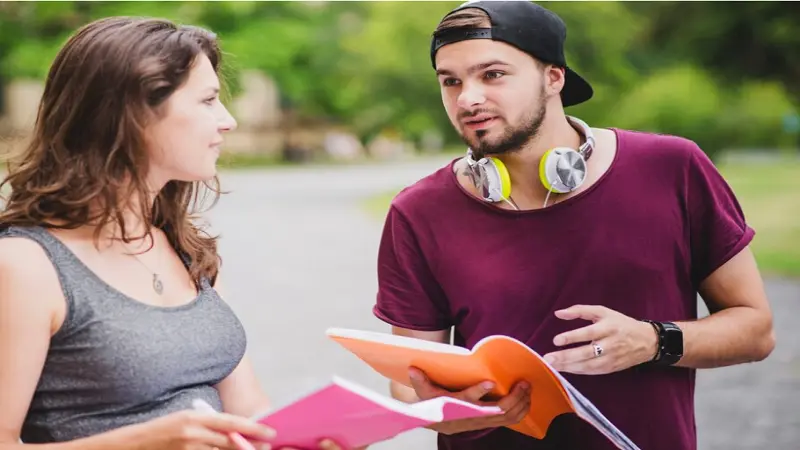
{"points": [[467, 18], [87, 157]]}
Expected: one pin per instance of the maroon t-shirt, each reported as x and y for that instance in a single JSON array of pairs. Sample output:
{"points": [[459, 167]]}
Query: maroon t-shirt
{"points": [[639, 241]]}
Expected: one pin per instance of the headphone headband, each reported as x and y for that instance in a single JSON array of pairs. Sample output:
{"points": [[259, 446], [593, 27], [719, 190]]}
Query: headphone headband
{"points": [[587, 147], [561, 169]]}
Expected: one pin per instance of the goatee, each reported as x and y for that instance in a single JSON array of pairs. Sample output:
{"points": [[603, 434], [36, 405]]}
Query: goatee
{"points": [[512, 138]]}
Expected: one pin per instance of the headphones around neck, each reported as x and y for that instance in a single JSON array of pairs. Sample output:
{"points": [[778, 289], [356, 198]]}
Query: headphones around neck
{"points": [[561, 169]]}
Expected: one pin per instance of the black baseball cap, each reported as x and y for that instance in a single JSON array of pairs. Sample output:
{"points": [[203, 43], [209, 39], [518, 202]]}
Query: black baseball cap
{"points": [[531, 28]]}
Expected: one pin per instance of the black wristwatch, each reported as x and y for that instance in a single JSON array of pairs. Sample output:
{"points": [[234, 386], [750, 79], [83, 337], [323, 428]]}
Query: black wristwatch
{"points": [[670, 343]]}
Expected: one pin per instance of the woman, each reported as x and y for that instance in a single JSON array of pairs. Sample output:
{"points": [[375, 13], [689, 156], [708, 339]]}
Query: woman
{"points": [[110, 320]]}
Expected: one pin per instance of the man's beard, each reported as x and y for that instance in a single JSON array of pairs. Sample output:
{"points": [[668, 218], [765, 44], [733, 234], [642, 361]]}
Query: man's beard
{"points": [[512, 138]]}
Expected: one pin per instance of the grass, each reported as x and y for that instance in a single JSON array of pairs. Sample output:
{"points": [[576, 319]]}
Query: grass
{"points": [[378, 204], [770, 197], [769, 193]]}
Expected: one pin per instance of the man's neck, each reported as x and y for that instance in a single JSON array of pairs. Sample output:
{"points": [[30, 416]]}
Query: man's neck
{"points": [[523, 165]]}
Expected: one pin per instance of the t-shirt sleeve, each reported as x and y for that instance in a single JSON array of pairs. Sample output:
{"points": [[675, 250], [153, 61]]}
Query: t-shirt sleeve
{"points": [[408, 294], [718, 229]]}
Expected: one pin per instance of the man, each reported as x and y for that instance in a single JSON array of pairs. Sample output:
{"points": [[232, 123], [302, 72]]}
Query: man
{"points": [[592, 254]]}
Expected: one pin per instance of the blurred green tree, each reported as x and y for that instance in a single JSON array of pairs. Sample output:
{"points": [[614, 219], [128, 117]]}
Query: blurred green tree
{"points": [[737, 42], [699, 69]]}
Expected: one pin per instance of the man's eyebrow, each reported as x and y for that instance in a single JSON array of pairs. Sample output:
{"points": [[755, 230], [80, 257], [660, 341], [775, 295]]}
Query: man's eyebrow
{"points": [[474, 68]]}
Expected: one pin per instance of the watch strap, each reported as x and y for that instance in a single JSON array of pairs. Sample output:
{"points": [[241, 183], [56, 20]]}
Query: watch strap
{"points": [[658, 329], [665, 356]]}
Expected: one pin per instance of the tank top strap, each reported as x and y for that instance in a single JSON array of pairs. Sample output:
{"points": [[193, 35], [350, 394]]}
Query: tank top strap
{"points": [[56, 251], [60, 256]]}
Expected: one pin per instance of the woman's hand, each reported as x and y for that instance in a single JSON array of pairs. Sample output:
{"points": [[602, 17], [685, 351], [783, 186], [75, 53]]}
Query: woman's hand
{"points": [[196, 430], [328, 444]]}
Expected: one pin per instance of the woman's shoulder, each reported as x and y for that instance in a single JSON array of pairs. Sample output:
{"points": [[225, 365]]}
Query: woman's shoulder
{"points": [[23, 253], [20, 249], [28, 275]]}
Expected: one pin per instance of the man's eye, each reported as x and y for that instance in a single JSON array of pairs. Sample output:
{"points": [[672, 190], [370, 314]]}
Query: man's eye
{"points": [[494, 74], [450, 82]]}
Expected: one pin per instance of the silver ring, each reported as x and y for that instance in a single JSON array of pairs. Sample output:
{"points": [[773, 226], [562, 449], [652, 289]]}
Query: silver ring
{"points": [[598, 350]]}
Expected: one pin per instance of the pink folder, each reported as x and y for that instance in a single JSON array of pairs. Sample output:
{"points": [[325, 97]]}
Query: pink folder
{"points": [[355, 416]]}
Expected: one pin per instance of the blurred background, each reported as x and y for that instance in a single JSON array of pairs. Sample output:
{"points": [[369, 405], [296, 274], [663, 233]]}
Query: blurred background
{"points": [[339, 108]]}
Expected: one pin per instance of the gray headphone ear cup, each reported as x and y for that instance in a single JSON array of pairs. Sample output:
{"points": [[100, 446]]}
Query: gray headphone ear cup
{"points": [[494, 189], [486, 179], [564, 169]]}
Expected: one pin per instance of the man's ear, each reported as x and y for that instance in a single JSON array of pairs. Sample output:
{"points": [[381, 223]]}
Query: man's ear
{"points": [[554, 79]]}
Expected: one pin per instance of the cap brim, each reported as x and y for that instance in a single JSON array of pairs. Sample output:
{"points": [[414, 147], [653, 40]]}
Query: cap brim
{"points": [[576, 89]]}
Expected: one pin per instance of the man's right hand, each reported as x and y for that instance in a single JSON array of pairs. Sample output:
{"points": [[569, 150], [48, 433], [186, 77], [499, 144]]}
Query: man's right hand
{"points": [[515, 405]]}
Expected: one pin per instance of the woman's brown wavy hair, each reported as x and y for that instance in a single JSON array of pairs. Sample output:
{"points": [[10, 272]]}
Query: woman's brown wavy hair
{"points": [[87, 157]]}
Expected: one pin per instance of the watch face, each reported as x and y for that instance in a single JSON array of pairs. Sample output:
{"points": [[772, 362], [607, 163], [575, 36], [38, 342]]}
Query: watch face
{"points": [[673, 340]]}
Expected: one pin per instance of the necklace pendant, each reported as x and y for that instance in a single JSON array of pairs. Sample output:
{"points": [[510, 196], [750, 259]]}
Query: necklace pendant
{"points": [[157, 285]]}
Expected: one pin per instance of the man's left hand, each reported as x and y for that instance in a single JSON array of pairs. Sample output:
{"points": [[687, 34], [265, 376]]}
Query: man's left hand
{"points": [[614, 342]]}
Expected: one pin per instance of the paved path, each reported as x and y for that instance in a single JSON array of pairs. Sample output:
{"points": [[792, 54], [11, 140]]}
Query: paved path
{"points": [[299, 256]]}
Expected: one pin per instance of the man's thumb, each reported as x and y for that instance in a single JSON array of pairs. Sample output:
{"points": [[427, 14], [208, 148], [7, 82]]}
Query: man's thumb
{"points": [[419, 381]]}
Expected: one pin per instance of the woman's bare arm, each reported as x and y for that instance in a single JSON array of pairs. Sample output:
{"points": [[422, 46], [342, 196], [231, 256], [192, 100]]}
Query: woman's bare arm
{"points": [[29, 314]]}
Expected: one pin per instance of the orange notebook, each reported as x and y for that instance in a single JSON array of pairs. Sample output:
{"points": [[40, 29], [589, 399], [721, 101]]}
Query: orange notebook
{"points": [[501, 359]]}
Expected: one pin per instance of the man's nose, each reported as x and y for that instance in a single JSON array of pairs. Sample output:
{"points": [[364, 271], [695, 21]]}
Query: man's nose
{"points": [[471, 95]]}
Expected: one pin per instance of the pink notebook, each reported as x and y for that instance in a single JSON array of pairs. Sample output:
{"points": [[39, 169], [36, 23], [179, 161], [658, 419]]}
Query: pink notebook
{"points": [[355, 416]]}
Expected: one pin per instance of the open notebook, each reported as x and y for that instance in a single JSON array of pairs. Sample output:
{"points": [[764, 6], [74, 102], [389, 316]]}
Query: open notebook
{"points": [[356, 416], [501, 359]]}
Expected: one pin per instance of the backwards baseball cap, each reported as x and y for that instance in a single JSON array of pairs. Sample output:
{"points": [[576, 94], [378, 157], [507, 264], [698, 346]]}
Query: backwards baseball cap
{"points": [[527, 26]]}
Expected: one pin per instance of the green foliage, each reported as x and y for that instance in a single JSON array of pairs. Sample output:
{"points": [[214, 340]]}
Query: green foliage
{"points": [[688, 101], [755, 116], [683, 101], [738, 40], [696, 69], [388, 58]]}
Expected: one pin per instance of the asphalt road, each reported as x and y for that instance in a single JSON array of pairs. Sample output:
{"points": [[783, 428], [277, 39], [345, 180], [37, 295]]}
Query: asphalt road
{"points": [[299, 256]]}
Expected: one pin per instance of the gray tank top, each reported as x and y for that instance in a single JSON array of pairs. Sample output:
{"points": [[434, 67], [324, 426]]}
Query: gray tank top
{"points": [[117, 361]]}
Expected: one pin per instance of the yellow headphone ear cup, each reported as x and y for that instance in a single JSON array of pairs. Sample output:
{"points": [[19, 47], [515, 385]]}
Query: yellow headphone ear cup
{"points": [[543, 170], [505, 178]]}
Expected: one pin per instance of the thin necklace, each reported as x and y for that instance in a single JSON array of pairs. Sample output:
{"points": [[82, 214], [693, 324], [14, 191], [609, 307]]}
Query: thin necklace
{"points": [[158, 286]]}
